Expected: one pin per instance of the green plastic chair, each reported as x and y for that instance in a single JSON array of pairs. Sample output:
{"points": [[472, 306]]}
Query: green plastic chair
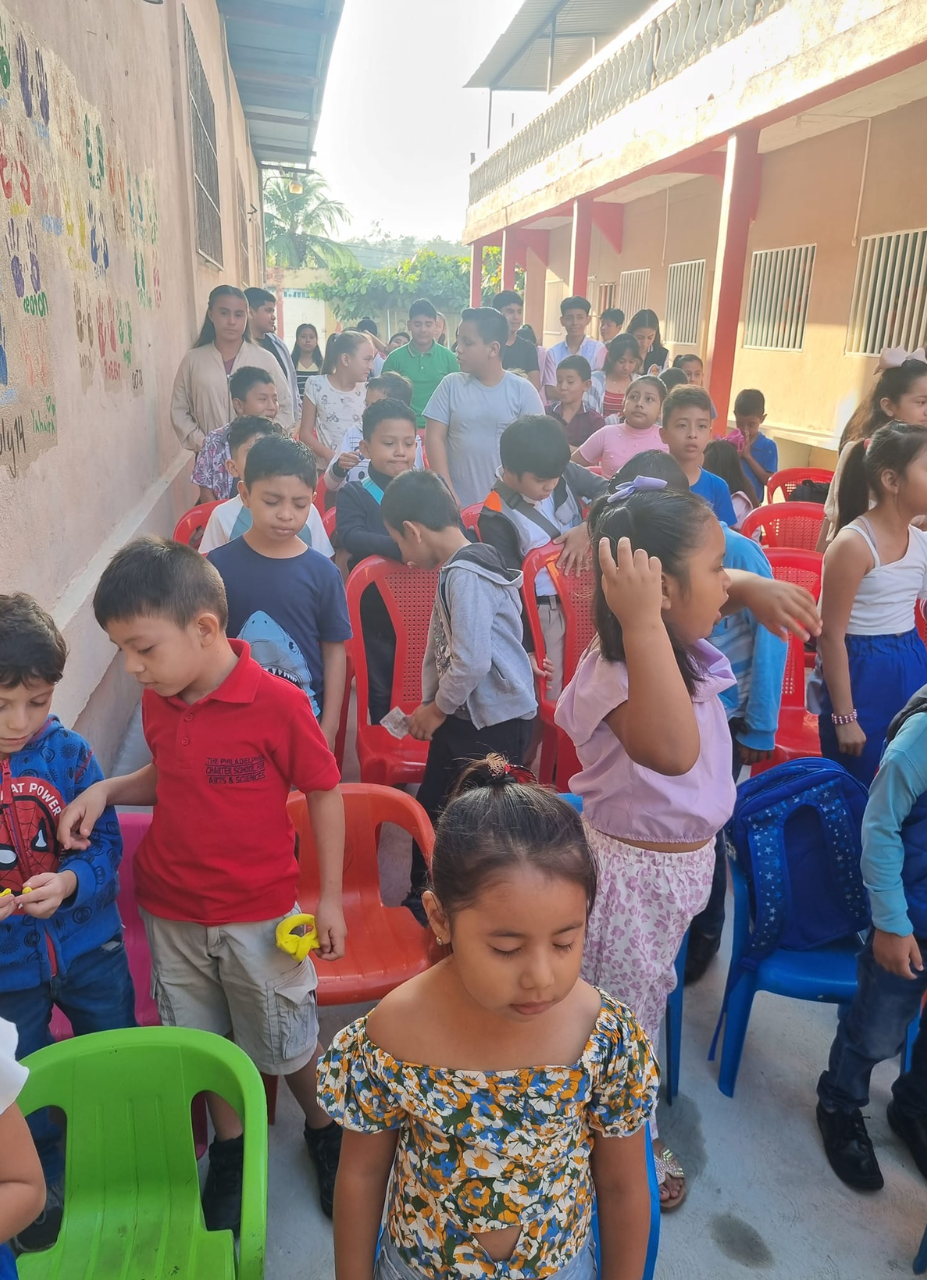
{"points": [[132, 1194]]}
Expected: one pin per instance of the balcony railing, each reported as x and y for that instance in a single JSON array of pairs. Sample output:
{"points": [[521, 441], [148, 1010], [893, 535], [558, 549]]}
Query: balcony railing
{"points": [[652, 54]]}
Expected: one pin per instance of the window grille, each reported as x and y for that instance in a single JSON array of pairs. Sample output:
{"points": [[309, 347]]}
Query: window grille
{"points": [[632, 290], [685, 286], [777, 305], [606, 297], [243, 249], [205, 157], [889, 307]]}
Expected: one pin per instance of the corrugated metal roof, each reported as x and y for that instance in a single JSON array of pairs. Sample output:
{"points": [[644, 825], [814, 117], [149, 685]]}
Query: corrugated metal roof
{"points": [[519, 58], [280, 51]]}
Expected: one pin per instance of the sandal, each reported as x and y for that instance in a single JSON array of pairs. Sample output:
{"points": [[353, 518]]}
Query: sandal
{"points": [[668, 1166]]}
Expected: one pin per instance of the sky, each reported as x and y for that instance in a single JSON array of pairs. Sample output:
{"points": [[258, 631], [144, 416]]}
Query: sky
{"points": [[397, 129]]}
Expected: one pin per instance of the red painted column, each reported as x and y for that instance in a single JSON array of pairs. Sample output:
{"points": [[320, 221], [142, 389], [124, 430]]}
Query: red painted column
{"points": [[476, 274], [510, 247], [738, 209], [580, 246]]}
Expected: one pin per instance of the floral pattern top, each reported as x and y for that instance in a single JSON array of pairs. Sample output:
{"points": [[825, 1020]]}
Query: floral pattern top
{"points": [[209, 469], [479, 1150]]}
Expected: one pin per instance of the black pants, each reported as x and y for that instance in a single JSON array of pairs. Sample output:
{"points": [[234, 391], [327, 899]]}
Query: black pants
{"points": [[380, 650], [454, 744]]}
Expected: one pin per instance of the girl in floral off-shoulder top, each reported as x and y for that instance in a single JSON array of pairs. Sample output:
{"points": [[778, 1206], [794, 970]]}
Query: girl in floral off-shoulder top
{"points": [[502, 1092]]}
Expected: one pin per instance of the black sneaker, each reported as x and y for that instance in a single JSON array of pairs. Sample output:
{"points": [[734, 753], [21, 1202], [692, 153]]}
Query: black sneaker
{"points": [[701, 951], [43, 1232], [324, 1150], [848, 1148], [222, 1192], [912, 1130]]}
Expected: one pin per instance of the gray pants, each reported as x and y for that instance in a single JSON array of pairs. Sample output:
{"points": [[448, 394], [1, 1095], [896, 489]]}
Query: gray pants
{"points": [[391, 1267]]}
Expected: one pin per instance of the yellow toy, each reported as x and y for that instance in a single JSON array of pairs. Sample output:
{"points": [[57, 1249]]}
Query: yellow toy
{"points": [[295, 945]]}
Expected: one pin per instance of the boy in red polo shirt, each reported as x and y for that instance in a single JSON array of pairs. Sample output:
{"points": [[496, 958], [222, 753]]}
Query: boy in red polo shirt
{"points": [[217, 870]]}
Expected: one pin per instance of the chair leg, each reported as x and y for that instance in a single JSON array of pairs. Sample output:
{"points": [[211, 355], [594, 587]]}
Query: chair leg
{"points": [[739, 1005], [920, 1262], [909, 1043], [674, 1024]]}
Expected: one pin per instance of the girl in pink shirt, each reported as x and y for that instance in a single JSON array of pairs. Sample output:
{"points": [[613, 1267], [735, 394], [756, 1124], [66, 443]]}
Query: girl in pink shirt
{"points": [[614, 444]]}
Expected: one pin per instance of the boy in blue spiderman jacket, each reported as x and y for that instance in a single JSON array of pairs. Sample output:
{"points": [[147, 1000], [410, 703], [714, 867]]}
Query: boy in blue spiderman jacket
{"points": [[60, 932]]}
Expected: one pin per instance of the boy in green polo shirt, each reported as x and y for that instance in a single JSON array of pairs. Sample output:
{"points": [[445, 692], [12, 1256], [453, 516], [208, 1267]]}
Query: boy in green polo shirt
{"points": [[423, 360]]}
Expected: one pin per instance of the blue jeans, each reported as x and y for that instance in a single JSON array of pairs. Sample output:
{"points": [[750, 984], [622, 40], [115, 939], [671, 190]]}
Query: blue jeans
{"points": [[872, 1029], [96, 994]]}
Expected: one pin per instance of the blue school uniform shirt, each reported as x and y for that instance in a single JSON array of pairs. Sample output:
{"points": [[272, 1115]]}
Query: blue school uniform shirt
{"points": [[894, 858], [766, 454], [718, 496], [285, 609]]}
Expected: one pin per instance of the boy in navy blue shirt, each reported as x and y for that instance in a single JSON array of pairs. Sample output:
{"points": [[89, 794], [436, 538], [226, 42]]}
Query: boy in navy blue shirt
{"points": [[60, 932], [686, 431], [760, 457], [285, 599]]}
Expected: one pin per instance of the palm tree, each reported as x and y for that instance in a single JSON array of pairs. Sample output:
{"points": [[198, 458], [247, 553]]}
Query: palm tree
{"points": [[298, 228]]}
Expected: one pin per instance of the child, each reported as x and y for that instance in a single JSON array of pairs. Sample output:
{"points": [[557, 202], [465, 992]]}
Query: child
{"points": [[350, 463], [372, 331], [574, 316], [721, 460], [686, 432], [871, 659], [62, 938], [694, 369], [389, 448], [254, 395], [262, 317], [650, 730], [673, 378], [574, 379], [891, 969], [760, 457], [644, 327], [398, 340], [284, 598], [612, 445], [334, 402], [469, 411], [611, 322], [518, 353], [538, 499], [482, 1129], [216, 872], [231, 519], [477, 682], [306, 356], [22, 1184], [610, 383], [423, 360]]}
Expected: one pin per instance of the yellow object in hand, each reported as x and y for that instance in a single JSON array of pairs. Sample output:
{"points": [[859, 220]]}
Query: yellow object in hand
{"points": [[5, 892], [297, 945], [27, 888]]}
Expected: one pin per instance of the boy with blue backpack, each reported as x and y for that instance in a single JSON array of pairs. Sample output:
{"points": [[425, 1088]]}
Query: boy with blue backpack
{"points": [[892, 975]]}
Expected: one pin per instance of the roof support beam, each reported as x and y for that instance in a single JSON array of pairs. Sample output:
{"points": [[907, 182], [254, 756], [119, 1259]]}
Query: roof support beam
{"points": [[278, 15], [274, 79], [609, 218]]}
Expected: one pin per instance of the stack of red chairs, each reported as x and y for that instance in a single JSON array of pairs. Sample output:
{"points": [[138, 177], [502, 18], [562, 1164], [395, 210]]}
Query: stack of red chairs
{"points": [[788, 480], [786, 524]]}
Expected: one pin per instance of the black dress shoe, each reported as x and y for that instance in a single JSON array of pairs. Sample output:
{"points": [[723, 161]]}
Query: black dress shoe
{"points": [[849, 1149], [912, 1130], [699, 955], [222, 1192], [325, 1150]]}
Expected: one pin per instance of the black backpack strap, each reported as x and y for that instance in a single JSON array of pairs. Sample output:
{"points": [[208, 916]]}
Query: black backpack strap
{"points": [[516, 502]]}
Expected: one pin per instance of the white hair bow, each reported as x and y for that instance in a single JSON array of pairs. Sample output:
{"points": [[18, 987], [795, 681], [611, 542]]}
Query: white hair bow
{"points": [[894, 357]]}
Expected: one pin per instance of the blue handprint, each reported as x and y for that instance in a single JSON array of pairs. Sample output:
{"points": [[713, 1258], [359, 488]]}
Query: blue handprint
{"points": [[104, 246], [16, 266], [22, 61], [4, 374], [40, 86], [92, 222], [32, 245]]}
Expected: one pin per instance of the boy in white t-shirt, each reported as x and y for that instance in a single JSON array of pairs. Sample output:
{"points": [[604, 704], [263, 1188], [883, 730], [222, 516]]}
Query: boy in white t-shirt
{"points": [[22, 1183], [231, 519]]}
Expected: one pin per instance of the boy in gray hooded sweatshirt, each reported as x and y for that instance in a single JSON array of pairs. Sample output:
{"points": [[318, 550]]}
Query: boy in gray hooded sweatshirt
{"points": [[477, 684]]}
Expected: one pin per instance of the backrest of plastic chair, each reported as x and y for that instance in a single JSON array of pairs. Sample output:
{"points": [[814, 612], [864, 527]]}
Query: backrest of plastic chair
{"points": [[328, 522], [786, 524], [192, 522], [920, 621], [575, 591], [321, 489], [409, 596], [787, 480], [795, 565], [470, 517]]}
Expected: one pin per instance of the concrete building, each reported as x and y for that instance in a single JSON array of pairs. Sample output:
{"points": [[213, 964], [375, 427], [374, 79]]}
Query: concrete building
{"points": [[132, 139], [749, 169]]}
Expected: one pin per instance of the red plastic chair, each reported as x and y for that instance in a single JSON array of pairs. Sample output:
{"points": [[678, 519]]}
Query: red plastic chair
{"points": [[470, 517], [328, 522], [321, 490], [576, 591], [786, 524], [192, 524], [409, 597], [791, 477], [920, 621], [385, 945]]}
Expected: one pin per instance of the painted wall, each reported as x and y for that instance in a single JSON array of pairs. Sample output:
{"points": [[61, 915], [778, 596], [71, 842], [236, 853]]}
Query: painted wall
{"points": [[101, 289]]}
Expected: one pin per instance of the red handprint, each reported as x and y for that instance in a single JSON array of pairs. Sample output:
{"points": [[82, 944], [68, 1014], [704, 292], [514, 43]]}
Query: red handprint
{"points": [[6, 172], [25, 181], [111, 323]]}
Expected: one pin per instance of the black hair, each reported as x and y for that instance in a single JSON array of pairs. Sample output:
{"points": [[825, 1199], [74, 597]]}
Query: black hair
{"points": [[686, 397], [655, 463], [618, 347], [528, 334], [686, 358], [422, 307], [368, 326], [537, 444], [615, 314], [507, 298], [722, 459], [893, 447], [652, 381], [495, 824], [579, 364], [341, 344], [646, 319], [576, 303], [383, 410], [155, 577], [420, 497], [208, 332], [280, 456], [490, 324], [664, 523], [245, 428], [401, 334], [248, 376], [395, 386], [296, 355], [32, 649], [673, 378], [259, 297], [750, 403], [892, 385]]}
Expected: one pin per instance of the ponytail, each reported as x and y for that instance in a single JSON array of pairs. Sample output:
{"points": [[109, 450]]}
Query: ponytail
{"points": [[893, 447], [341, 344]]}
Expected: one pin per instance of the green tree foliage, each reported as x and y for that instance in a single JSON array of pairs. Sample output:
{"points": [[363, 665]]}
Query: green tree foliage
{"points": [[298, 229]]}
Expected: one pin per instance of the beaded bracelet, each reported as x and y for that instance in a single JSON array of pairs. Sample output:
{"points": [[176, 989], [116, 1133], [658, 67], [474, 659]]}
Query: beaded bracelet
{"points": [[850, 719]]}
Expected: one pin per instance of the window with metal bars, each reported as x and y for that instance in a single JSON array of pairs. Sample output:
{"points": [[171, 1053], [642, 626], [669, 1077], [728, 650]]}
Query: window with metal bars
{"points": [[205, 157], [777, 304], [684, 287], [243, 249], [606, 297], [632, 290], [889, 307]]}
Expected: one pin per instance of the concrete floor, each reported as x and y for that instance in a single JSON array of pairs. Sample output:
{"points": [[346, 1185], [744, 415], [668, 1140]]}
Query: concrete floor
{"points": [[762, 1200]]}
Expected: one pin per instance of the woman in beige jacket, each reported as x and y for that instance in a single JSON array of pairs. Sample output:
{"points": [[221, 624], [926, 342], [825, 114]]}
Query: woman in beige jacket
{"points": [[200, 401]]}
